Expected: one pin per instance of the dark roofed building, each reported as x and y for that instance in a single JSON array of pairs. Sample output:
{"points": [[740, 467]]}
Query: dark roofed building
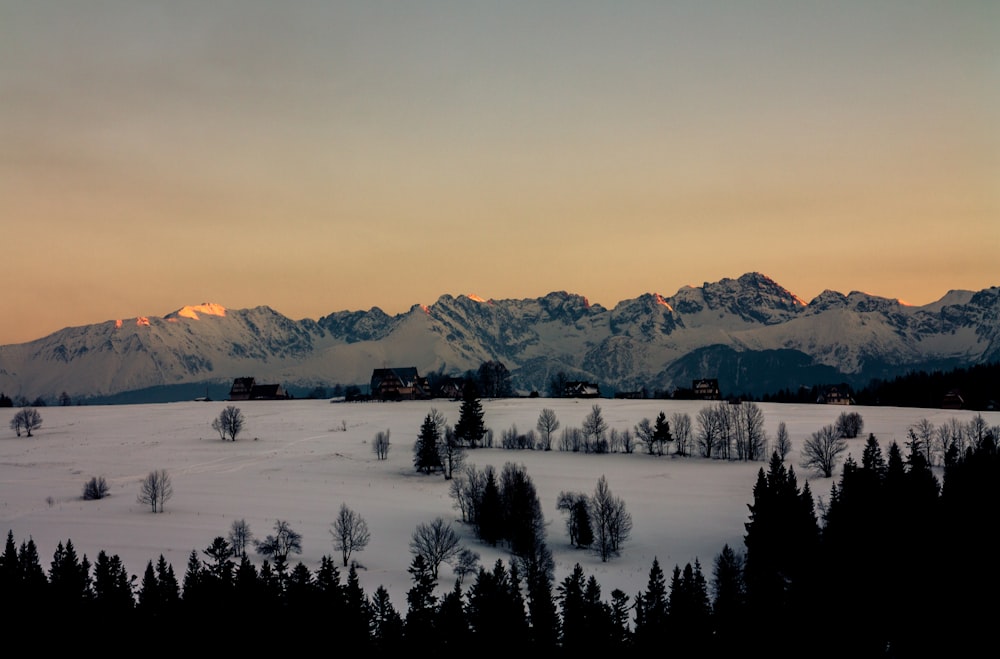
{"points": [[248, 389], [706, 389], [399, 384]]}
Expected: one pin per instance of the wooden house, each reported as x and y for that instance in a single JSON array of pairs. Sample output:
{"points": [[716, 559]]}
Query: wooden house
{"points": [[399, 384], [248, 389], [706, 389]]}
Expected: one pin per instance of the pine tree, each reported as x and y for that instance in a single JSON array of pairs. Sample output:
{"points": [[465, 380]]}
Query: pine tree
{"points": [[470, 428], [426, 457], [419, 628], [387, 624], [651, 611], [729, 599], [358, 615]]}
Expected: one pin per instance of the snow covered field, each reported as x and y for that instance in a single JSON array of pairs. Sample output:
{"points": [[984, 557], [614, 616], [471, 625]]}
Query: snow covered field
{"points": [[299, 460]]}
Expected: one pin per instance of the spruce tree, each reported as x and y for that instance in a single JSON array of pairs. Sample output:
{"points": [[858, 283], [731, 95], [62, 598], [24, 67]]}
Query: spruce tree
{"points": [[421, 603], [426, 456], [387, 624], [470, 428], [651, 611]]}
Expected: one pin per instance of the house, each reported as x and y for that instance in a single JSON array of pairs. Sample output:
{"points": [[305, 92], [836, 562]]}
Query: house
{"points": [[834, 396], [399, 384], [451, 387], [579, 389], [706, 389], [952, 400], [248, 389]]}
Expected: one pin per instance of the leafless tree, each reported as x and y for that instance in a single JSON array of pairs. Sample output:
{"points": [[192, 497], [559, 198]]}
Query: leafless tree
{"points": [[782, 443], [437, 542], [466, 563], [240, 536], [750, 437], [95, 488], [155, 490], [849, 424], [452, 452], [820, 451], [646, 434], [681, 423], [27, 419], [709, 431], [380, 445], [467, 491], [547, 426], [612, 524], [594, 426], [229, 423], [283, 542], [350, 533]]}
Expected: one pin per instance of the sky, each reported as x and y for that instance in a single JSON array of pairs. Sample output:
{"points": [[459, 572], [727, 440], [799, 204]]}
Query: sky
{"points": [[300, 460], [326, 156]]}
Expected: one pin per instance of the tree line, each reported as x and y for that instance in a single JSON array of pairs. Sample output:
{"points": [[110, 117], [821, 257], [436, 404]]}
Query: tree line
{"points": [[891, 564]]}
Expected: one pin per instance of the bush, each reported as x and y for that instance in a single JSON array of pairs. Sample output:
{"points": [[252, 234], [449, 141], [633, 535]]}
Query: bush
{"points": [[95, 488]]}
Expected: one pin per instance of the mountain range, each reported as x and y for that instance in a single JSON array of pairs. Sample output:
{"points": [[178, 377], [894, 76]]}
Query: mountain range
{"points": [[750, 333]]}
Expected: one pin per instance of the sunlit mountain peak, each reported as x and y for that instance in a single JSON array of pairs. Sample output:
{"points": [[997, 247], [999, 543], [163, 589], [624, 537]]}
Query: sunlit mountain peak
{"points": [[207, 308]]}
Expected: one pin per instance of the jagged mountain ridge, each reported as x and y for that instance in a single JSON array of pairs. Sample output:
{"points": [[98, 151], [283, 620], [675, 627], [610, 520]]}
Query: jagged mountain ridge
{"points": [[749, 332]]}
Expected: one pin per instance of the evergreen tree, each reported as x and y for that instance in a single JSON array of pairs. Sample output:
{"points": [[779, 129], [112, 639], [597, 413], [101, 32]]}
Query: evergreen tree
{"points": [[570, 597], [489, 512], [112, 587], [651, 611], [421, 602], [358, 616], [70, 580], [387, 624], [470, 428], [620, 609], [542, 612], [728, 604], [426, 456]]}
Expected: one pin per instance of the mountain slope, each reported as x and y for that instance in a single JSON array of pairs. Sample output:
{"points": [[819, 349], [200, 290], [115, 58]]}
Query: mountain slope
{"points": [[748, 332]]}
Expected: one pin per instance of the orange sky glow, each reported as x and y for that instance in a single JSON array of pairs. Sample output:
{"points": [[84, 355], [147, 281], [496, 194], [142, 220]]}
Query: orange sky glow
{"points": [[320, 157]]}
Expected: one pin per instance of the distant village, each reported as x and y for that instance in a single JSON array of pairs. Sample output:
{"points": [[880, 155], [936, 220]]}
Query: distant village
{"points": [[406, 383]]}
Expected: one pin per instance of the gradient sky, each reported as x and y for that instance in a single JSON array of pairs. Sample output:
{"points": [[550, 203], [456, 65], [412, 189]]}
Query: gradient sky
{"points": [[324, 156]]}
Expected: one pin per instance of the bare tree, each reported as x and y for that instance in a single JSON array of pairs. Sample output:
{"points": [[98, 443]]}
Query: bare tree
{"points": [[849, 424], [782, 443], [229, 423], [594, 426], [452, 452], [547, 426], [27, 419], [612, 524], [240, 536], [436, 542], [95, 488], [646, 433], [749, 432], [350, 533], [156, 490], [283, 542], [380, 445], [466, 563], [820, 451], [681, 423]]}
